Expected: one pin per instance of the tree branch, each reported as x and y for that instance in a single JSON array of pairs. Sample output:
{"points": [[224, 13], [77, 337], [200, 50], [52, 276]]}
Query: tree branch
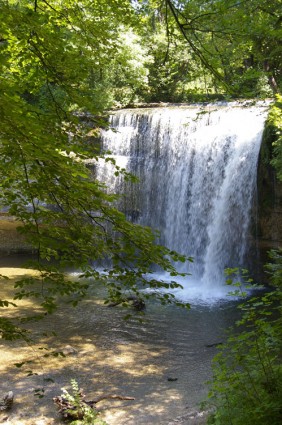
{"points": [[194, 48]]}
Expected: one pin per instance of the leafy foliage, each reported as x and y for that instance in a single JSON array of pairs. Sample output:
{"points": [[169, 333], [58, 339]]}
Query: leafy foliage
{"points": [[237, 43], [129, 73], [246, 387]]}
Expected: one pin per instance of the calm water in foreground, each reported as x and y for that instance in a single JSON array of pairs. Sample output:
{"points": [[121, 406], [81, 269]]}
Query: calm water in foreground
{"points": [[163, 363]]}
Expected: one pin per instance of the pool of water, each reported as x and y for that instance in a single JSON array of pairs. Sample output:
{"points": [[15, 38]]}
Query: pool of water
{"points": [[163, 362]]}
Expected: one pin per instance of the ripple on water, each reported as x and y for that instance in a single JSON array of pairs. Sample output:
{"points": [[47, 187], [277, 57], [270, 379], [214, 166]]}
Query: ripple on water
{"points": [[163, 362]]}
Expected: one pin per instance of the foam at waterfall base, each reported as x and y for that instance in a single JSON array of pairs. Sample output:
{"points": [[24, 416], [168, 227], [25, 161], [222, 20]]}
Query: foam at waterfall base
{"points": [[196, 291]]}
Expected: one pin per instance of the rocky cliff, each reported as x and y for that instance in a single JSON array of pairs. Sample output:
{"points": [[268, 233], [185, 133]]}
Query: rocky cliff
{"points": [[266, 228]]}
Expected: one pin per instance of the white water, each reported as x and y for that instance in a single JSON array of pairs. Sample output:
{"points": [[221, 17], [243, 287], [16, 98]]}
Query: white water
{"points": [[197, 170]]}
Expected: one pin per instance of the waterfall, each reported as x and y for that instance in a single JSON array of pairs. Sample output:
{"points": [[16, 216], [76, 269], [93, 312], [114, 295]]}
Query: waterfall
{"points": [[197, 178]]}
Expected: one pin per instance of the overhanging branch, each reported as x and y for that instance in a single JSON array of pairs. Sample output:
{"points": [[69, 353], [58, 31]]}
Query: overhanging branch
{"points": [[192, 45]]}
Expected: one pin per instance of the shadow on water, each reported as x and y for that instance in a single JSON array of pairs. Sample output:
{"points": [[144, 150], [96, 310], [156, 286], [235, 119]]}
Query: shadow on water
{"points": [[163, 363]]}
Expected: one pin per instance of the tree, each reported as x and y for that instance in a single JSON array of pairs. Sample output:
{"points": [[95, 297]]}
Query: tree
{"points": [[52, 56], [237, 42], [128, 74]]}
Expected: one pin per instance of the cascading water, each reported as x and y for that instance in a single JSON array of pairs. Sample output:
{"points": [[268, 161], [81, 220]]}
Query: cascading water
{"points": [[197, 178]]}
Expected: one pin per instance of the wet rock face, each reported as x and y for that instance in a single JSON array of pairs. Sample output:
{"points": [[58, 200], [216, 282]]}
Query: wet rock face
{"points": [[266, 228], [269, 225]]}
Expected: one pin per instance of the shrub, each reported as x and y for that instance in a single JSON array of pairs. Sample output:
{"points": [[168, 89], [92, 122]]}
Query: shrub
{"points": [[247, 375]]}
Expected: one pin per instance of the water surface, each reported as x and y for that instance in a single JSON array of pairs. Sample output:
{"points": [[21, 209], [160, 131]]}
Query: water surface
{"points": [[163, 362]]}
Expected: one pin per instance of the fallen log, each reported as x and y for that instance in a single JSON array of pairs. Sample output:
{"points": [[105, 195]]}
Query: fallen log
{"points": [[76, 411], [69, 410], [108, 396]]}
